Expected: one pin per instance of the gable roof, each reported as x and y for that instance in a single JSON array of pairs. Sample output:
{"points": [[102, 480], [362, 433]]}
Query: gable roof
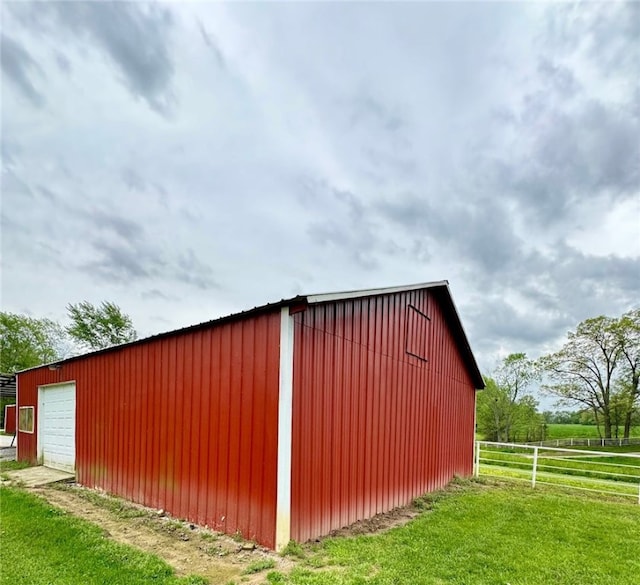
{"points": [[439, 288]]}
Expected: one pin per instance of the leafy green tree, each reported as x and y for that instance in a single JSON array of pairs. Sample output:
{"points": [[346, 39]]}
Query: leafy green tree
{"points": [[586, 417], [492, 406], [628, 331], [514, 376], [26, 342], [599, 368], [98, 327], [528, 424], [504, 410]]}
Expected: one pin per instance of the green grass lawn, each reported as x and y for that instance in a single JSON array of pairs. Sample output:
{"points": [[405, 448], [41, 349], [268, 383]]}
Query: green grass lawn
{"points": [[10, 465], [489, 535], [473, 534], [567, 431], [43, 545]]}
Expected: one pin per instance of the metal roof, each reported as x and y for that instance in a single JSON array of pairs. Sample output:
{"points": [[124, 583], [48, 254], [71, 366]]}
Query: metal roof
{"points": [[7, 386], [440, 288], [354, 294]]}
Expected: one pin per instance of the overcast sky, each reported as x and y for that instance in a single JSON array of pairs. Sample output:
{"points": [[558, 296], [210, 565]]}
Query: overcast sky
{"points": [[187, 161]]}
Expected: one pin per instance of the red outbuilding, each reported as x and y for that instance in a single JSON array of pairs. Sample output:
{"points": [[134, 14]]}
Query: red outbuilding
{"points": [[283, 422]]}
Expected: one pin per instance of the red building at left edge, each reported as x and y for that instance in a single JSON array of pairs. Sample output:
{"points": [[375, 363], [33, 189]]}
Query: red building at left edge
{"points": [[282, 423]]}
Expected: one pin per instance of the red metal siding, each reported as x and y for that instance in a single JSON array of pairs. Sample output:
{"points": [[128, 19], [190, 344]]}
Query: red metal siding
{"points": [[373, 426], [187, 423], [10, 419]]}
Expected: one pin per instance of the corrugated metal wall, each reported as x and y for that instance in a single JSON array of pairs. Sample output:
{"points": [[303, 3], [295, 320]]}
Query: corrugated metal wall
{"points": [[187, 423], [373, 425], [10, 419]]}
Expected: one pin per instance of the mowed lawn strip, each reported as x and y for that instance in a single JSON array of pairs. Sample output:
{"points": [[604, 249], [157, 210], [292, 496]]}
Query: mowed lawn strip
{"points": [[471, 534], [490, 535], [43, 545]]}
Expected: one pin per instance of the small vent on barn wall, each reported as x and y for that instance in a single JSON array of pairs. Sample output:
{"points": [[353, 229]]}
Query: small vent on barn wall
{"points": [[417, 335]]}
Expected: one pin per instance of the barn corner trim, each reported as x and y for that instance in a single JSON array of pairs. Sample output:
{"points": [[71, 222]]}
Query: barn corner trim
{"points": [[285, 429]]}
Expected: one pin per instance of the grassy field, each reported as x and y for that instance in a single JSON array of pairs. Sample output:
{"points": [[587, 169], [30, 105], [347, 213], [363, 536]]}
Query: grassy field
{"points": [[473, 534], [504, 534], [609, 448], [566, 431], [43, 545]]}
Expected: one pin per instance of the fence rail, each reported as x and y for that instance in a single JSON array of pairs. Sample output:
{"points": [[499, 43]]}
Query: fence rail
{"points": [[592, 442], [595, 471]]}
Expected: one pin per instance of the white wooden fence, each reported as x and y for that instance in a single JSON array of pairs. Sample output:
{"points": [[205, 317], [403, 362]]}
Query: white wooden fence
{"points": [[595, 471]]}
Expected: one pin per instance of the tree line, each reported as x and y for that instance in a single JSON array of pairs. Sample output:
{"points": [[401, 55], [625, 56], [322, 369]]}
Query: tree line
{"points": [[597, 371], [26, 342]]}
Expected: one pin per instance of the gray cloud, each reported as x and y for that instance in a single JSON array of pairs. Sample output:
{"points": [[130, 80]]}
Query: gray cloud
{"points": [[212, 44], [12, 183], [191, 270], [48, 193], [576, 274], [561, 288], [134, 36], [126, 253], [366, 109], [19, 67], [136, 183], [126, 229], [119, 262], [63, 62], [128, 262], [9, 151], [155, 294], [133, 180], [607, 32], [500, 323], [558, 78], [567, 146], [480, 231], [353, 234], [591, 152]]}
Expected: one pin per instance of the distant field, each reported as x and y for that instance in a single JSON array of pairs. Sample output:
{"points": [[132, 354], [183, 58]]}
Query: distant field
{"points": [[562, 431], [608, 448]]}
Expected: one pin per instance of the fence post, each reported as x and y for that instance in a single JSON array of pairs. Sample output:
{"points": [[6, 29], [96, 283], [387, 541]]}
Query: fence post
{"points": [[477, 460], [535, 467], [572, 442]]}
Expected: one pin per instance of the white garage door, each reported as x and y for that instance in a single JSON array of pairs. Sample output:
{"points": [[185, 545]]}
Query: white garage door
{"points": [[57, 426]]}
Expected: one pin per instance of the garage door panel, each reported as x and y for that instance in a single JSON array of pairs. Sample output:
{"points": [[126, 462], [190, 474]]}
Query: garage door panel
{"points": [[57, 419]]}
